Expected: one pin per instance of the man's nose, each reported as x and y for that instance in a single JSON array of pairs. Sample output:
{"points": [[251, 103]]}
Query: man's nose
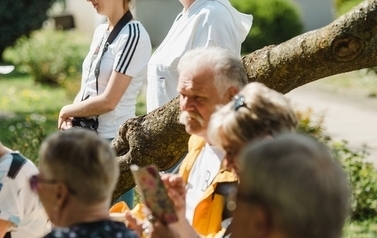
{"points": [[186, 103]]}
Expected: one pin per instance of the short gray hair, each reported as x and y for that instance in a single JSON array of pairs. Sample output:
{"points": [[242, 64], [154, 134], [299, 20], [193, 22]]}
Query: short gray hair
{"points": [[298, 181], [227, 69], [84, 161], [264, 112]]}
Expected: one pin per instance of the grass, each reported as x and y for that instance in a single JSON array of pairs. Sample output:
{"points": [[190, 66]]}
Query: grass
{"points": [[25, 105], [361, 83]]}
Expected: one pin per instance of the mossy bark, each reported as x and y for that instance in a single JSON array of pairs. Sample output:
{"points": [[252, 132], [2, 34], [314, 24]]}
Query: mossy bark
{"points": [[347, 44]]}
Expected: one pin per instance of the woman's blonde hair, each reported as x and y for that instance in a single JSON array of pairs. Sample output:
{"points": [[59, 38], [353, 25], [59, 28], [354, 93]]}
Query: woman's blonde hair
{"points": [[126, 4], [257, 111]]}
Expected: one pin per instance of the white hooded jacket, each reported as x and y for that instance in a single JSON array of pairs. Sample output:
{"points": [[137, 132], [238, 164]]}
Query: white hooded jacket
{"points": [[205, 23]]}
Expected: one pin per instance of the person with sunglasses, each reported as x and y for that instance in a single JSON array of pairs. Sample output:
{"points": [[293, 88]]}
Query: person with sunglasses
{"points": [[21, 213], [78, 172]]}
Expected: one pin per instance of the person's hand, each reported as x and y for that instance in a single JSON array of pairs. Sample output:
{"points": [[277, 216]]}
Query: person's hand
{"points": [[176, 189], [162, 231], [63, 117], [133, 223], [67, 124]]}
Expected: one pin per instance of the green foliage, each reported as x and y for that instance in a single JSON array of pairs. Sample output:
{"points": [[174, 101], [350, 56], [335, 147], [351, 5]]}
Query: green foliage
{"points": [[364, 229], [50, 56], [28, 112], [343, 6], [275, 21], [21, 17], [362, 174], [27, 137], [363, 178]]}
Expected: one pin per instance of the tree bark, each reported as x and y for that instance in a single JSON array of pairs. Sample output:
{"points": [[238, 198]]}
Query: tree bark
{"points": [[349, 43]]}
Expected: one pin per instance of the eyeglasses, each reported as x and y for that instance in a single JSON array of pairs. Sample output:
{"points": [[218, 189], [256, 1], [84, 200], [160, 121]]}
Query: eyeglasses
{"points": [[239, 101], [34, 180]]}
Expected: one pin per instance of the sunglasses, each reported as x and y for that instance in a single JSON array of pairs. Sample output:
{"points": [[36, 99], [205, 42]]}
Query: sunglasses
{"points": [[35, 180]]}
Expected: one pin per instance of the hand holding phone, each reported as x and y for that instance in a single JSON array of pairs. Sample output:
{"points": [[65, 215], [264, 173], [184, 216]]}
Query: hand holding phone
{"points": [[154, 194]]}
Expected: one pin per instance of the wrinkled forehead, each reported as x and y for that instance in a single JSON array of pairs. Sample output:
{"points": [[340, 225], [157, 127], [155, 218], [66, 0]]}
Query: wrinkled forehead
{"points": [[196, 80]]}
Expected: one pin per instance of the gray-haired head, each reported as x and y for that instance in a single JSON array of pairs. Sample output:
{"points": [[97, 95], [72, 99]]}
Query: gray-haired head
{"points": [[295, 179], [227, 69], [84, 161]]}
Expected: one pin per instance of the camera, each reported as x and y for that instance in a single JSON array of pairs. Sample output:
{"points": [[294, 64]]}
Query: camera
{"points": [[87, 123]]}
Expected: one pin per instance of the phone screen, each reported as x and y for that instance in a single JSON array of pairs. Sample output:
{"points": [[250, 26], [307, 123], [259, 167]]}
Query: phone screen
{"points": [[153, 193]]}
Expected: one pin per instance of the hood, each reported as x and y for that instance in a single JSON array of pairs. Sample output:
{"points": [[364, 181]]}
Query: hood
{"points": [[242, 21]]}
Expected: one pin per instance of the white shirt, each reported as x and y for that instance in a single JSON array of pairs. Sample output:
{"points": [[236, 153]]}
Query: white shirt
{"points": [[127, 54], [205, 23], [18, 204], [204, 170]]}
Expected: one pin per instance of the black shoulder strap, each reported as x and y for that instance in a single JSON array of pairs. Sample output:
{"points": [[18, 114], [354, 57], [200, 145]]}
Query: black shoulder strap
{"points": [[118, 27], [17, 163], [113, 34], [225, 189]]}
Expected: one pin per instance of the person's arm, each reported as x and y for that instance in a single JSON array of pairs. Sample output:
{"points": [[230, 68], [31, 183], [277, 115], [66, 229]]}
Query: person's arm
{"points": [[4, 226], [4, 150], [105, 102]]}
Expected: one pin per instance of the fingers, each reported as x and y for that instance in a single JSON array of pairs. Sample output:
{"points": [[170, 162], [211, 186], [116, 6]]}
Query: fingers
{"points": [[174, 181], [133, 223], [178, 199], [162, 231], [66, 125]]}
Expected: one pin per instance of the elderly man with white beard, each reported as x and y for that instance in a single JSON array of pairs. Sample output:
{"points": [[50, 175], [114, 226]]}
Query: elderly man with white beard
{"points": [[208, 77]]}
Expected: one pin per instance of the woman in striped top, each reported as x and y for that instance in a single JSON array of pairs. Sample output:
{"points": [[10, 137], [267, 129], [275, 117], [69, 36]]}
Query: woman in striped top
{"points": [[122, 70]]}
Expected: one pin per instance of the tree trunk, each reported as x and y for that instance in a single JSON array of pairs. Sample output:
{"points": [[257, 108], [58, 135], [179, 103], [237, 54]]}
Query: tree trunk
{"points": [[347, 44]]}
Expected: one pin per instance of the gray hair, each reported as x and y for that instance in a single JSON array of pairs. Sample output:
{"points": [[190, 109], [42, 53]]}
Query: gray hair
{"points": [[264, 112], [84, 161], [296, 179], [226, 67]]}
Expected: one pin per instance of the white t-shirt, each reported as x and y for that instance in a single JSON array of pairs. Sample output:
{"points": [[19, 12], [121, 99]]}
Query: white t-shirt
{"points": [[204, 170], [127, 54], [18, 204], [205, 23]]}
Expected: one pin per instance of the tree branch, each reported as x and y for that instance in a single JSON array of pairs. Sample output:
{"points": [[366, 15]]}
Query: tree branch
{"points": [[347, 44]]}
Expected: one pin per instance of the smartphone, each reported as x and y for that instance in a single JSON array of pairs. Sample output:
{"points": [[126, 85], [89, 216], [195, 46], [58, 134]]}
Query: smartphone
{"points": [[153, 193]]}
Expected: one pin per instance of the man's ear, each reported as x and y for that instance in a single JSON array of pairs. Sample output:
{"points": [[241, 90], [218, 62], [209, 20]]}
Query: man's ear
{"points": [[61, 194], [232, 91]]}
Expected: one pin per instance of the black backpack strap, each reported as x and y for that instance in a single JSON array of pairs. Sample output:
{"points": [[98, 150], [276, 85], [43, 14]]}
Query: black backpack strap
{"points": [[224, 189], [16, 165], [8, 235]]}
